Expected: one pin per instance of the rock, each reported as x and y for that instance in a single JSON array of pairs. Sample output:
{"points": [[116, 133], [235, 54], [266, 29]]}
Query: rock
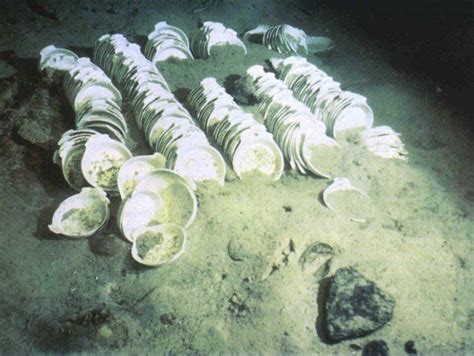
{"points": [[39, 120], [375, 348], [241, 92], [410, 348], [316, 259], [354, 306], [6, 70], [8, 91], [168, 319], [104, 244]]}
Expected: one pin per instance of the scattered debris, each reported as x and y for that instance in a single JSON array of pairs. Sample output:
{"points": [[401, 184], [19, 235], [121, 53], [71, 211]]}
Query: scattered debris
{"points": [[239, 89], [238, 306], [6, 70], [168, 319], [316, 259], [40, 121], [281, 259]]}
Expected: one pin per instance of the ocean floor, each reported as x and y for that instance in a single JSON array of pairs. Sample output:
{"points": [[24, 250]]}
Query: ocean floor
{"points": [[238, 287]]}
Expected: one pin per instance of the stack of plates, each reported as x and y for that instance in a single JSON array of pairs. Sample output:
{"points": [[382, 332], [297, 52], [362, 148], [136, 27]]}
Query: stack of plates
{"points": [[69, 156], [96, 101], [165, 42], [246, 143], [285, 39], [384, 142], [97, 106], [341, 111], [213, 34], [300, 136], [166, 124]]}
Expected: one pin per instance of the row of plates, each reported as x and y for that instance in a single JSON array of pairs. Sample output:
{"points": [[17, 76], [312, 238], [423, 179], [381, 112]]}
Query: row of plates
{"points": [[247, 144], [299, 135], [212, 34], [165, 123], [167, 41], [95, 100], [93, 153], [341, 111], [285, 39], [383, 142]]}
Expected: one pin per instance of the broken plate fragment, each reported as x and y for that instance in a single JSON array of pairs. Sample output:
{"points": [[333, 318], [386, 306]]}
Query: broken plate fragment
{"points": [[82, 214], [343, 198], [54, 59]]}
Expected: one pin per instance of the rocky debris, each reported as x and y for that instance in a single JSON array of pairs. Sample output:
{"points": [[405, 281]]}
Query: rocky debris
{"points": [[39, 120], [410, 348], [105, 244], [354, 306], [282, 258], [6, 70], [375, 348], [239, 249], [168, 319], [8, 91], [239, 89], [105, 325], [237, 306], [316, 259]]}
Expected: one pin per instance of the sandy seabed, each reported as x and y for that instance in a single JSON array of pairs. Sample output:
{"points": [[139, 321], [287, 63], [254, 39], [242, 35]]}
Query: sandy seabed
{"points": [[89, 295]]}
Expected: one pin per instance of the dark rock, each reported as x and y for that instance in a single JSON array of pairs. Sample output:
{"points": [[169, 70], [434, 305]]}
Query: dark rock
{"points": [[241, 92], [6, 70], [355, 306], [168, 318], [40, 120], [375, 348], [410, 348], [104, 244]]}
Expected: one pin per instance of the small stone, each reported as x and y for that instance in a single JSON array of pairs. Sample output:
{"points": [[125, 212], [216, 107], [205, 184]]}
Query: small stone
{"points": [[168, 319], [375, 348], [410, 348], [355, 306], [6, 70], [105, 244], [241, 92]]}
